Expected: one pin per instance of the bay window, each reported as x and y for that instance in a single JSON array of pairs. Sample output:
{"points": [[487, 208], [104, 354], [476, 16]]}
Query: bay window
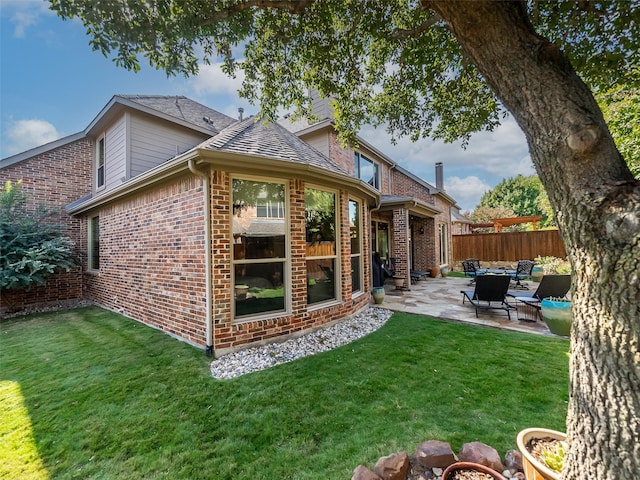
{"points": [[259, 247], [322, 261]]}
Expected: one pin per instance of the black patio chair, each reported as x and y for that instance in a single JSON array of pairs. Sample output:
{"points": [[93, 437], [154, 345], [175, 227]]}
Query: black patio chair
{"points": [[523, 270], [471, 267], [490, 293], [549, 286]]}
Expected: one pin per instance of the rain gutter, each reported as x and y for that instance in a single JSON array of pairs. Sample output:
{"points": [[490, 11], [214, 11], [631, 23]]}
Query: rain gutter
{"points": [[207, 235]]}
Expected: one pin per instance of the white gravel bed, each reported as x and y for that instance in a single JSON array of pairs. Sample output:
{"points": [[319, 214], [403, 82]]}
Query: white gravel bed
{"points": [[258, 358]]}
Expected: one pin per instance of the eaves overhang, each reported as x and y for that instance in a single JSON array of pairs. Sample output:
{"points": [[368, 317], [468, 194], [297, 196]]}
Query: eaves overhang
{"points": [[446, 197], [5, 162], [232, 163], [415, 206]]}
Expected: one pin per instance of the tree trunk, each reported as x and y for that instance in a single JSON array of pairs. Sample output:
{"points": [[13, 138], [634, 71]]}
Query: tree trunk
{"points": [[597, 204]]}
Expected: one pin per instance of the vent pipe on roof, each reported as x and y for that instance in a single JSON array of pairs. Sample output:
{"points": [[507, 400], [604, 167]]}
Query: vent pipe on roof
{"points": [[439, 176], [240, 112]]}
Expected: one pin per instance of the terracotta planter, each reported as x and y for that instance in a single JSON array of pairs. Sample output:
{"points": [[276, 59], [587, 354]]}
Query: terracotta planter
{"points": [[476, 467], [378, 295], [534, 469], [433, 272], [557, 316], [398, 281]]}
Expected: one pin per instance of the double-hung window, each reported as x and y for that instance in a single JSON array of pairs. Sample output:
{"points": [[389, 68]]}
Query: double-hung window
{"points": [[367, 170], [100, 158]]}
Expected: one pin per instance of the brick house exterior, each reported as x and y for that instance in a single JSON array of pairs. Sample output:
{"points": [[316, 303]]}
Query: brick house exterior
{"points": [[411, 227], [220, 232]]}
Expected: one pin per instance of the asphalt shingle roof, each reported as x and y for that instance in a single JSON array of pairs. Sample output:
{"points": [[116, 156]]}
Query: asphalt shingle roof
{"points": [[251, 137], [184, 109]]}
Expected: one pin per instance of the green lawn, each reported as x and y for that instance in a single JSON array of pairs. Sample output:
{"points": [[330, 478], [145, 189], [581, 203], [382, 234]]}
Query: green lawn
{"points": [[90, 394]]}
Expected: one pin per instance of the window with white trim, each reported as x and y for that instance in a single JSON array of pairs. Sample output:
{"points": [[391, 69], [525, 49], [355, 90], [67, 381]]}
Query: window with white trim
{"points": [[100, 159]]}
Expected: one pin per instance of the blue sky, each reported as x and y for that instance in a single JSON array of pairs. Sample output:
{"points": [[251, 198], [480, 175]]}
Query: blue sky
{"points": [[52, 85]]}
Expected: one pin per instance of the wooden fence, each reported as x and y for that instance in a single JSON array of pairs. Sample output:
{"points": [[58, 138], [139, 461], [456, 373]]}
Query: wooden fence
{"points": [[508, 246]]}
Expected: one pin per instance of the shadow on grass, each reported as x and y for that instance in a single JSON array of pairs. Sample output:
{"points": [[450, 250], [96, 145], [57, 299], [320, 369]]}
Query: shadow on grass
{"points": [[108, 397]]}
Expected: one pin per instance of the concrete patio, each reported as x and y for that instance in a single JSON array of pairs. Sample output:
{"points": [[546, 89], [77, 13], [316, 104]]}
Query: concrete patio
{"points": [[440, 297]]}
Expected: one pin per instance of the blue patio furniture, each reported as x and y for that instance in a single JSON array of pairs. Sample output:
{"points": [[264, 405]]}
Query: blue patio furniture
{"points": [[471, 267]]}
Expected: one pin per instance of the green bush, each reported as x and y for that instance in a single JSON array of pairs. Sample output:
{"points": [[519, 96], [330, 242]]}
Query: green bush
{"points": [[31, 246]]}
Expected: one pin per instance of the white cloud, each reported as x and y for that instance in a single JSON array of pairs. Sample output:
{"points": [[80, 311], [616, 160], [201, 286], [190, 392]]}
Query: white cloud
{"points": [[24, 14], [211, 80], [489, 158], [467, 191], [22, 135]]}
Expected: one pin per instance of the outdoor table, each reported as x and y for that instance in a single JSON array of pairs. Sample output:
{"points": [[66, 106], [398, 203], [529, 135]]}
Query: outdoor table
{"points": [[527, 308], [496, 271]]}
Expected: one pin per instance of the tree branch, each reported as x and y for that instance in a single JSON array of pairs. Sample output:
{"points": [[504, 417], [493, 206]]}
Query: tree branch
{"points": [[419, 30], [295, 7]]}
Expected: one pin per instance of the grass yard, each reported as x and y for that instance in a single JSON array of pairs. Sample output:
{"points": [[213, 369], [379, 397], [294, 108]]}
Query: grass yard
{"points": [[90, 394]]}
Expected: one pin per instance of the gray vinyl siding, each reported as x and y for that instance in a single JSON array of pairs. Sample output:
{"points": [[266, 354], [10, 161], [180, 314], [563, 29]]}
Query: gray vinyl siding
{"points": [[115, 165], [155, 142], [319, 141], [321, 106]]}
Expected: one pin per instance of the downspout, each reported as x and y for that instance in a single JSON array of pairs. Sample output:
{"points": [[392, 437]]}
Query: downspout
{"points": [[207, 235]]}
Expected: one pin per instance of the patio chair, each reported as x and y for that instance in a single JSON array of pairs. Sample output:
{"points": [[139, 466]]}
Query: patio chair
{"points": [[471, 267], [417, 275], [550, 286], [523, 270], [489, 293]]}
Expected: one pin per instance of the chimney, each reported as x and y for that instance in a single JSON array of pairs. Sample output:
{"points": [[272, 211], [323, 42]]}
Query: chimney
{"points": [[240, 112], [439, 176]]}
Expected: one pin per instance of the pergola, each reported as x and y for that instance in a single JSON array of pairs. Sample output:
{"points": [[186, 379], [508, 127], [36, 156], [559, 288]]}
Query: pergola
{"points": [[498, 223]]}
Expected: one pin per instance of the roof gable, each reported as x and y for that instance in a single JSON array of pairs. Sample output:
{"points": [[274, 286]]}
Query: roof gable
{"points": [[183, 109], [251, 137]]}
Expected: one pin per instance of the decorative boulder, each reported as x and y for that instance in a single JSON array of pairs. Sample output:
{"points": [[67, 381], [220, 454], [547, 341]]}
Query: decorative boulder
{"points": [[432, 453], [393, 467], [363, 473], [478, 452]]}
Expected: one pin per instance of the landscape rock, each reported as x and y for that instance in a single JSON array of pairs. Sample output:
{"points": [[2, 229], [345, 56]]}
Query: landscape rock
{"points": [[363, 473], [481, 453], [513, 460], [432, 453], [393, 467]]}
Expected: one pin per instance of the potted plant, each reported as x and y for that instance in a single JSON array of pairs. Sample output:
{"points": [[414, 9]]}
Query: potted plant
{"points": [[556, 312], [241, 291], [452, 471], [542, 453]]}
